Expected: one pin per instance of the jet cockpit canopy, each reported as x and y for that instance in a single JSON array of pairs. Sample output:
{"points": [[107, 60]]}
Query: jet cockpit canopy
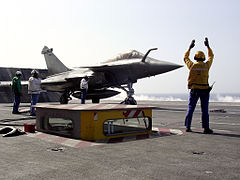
{"points": [[133, 54]]}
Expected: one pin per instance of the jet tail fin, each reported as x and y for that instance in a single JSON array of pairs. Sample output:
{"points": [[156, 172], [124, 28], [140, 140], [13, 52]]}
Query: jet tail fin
{"points": [[54, 65]]}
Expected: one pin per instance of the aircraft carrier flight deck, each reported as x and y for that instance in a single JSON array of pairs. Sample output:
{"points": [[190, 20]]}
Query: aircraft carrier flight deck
{"points": [[168, 155]]}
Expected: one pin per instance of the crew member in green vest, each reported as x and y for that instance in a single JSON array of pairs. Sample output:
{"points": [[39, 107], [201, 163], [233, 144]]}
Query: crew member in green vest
{"points": [[17, 92]]}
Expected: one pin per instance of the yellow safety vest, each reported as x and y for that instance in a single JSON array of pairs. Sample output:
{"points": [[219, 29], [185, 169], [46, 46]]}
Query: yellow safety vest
{"points": [[198, 74]]}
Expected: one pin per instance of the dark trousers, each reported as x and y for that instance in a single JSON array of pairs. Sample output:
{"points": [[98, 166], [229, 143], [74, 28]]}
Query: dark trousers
{"points": [[16, 102], [193, 99], [83, 95]]}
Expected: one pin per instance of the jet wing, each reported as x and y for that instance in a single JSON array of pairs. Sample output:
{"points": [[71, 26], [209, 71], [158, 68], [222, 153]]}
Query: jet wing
{"points": [[106, 68], [9, 83], [5, 83], [113, 66], [76, 75]]}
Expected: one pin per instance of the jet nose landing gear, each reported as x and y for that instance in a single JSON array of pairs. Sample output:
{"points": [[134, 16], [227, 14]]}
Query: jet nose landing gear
{"points": [[129, 100], [130, 92]]}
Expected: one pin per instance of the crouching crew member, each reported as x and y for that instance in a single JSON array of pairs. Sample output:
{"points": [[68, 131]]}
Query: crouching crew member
{"points": [[34, 90], [17, 91], [84, 88], [198, 84]]}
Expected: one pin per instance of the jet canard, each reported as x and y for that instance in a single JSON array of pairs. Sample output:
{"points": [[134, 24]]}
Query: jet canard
{"points": [[119, 72]]}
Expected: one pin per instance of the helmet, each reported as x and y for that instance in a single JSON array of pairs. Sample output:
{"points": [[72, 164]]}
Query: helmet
{"points": [[199, 56], [34, 72], [85, 77], [18, 73]]}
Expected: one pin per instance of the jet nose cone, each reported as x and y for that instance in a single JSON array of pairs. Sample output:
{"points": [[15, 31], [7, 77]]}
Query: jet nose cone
{"points": [[159, 67], [172, 66]]}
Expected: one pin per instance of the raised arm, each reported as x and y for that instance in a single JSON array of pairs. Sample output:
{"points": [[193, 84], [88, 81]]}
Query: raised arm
{"points": [[187, 61], [210, 53]]}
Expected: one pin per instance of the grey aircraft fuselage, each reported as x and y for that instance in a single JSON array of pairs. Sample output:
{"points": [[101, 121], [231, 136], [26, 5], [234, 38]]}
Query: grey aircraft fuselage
{"points": [[124, 69]]}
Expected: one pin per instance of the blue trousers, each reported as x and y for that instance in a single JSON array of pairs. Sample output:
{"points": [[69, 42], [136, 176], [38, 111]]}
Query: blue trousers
{"points": [[34, 100], [16, 102], [83, 95], [193, 99]]}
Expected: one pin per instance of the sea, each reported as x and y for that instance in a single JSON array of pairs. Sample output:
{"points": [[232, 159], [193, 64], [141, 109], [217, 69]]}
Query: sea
{"points": [[214, 97]]}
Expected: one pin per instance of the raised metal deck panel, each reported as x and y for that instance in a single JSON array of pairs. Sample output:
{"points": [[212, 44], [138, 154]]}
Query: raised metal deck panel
{"points": [[93, 107], [6, 75]]}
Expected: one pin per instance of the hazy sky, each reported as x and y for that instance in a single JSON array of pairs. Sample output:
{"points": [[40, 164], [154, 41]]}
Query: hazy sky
{"points": [[88, 32]]}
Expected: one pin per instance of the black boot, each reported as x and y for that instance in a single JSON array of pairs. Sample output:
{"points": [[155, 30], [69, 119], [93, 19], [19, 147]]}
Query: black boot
{"points": [[208, 131], [16, 112]]}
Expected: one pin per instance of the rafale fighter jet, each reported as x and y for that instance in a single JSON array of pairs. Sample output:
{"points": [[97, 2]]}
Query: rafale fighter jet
{"points": [[120, 72]]}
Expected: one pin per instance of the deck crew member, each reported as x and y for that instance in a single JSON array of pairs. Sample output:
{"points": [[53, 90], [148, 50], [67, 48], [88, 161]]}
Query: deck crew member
{"points": [[34, 90], [17, 91], [198, 85], [84, 88]]}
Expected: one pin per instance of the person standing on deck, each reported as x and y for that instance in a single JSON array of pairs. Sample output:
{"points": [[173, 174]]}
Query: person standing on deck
{"points": [[198, 85]]}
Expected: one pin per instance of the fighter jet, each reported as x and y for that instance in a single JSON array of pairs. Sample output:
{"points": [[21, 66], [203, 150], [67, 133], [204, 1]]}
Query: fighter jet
{"points": [[119, 72]]}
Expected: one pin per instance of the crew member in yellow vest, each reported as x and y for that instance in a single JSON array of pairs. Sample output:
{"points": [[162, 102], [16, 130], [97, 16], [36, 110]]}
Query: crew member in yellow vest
{"points": [[198, 85]]}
